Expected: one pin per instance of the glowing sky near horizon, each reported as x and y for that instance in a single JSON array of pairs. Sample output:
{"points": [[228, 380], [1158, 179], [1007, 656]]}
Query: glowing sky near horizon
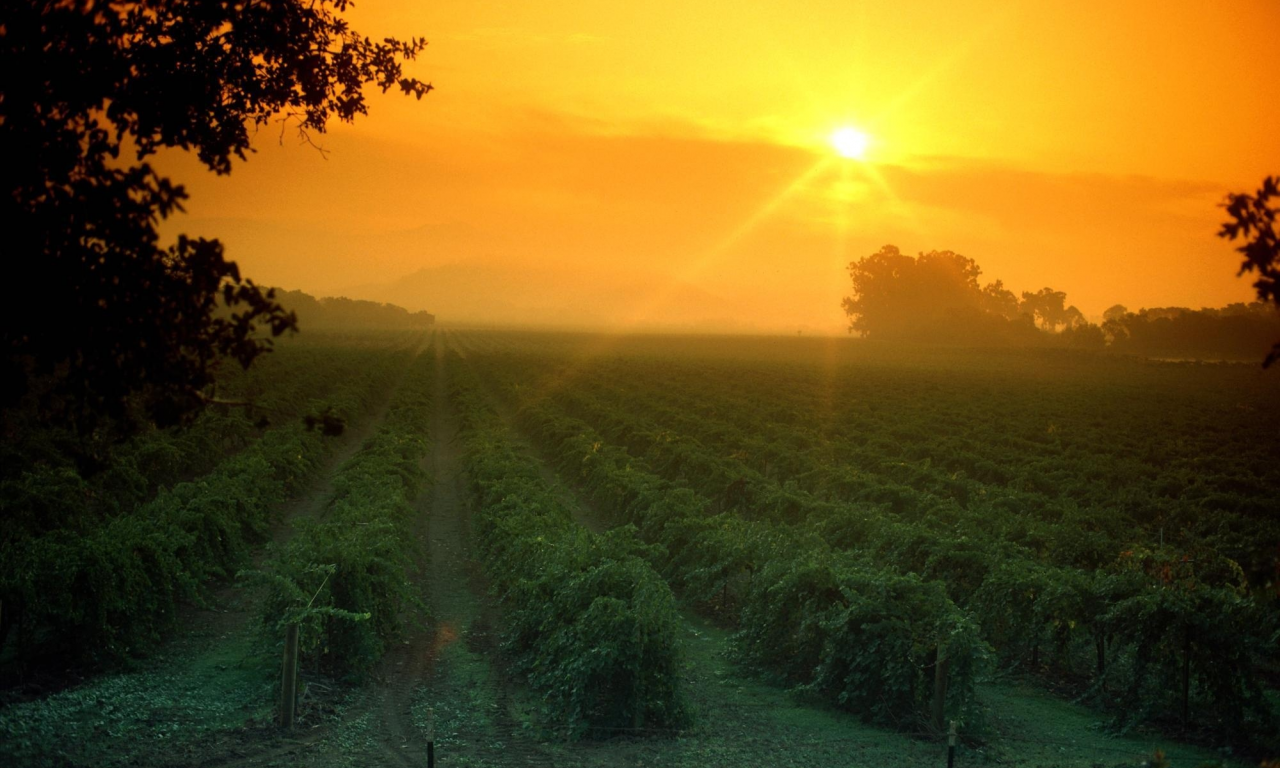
{"points": [[676, 158]]}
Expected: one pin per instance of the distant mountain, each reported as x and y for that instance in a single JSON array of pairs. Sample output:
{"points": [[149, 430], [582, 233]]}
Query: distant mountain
{"points": [[495, 294]]}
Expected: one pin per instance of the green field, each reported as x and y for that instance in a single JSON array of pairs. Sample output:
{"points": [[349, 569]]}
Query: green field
{"points": [[556, 549]]}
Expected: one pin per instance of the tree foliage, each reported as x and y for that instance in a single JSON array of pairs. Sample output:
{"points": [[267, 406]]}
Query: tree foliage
{"points": [[1115, 312], [107, 315], [999, 300], [1237, 331], [897, 295], [936, 297], [1253, 218], [933, 297]]}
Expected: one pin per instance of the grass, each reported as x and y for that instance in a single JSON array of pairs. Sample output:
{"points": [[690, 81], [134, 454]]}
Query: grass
{"points": [[471, 727], [742, 720], [207, 681], [173, 709], [1033, 728], [351, 740]]}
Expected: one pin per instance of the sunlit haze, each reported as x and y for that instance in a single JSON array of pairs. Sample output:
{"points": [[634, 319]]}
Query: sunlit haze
{"points": [[671, 164], [850, 143]]}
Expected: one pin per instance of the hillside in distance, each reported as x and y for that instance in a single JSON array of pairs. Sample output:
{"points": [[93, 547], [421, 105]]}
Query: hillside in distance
{"points": [[340, 312]]}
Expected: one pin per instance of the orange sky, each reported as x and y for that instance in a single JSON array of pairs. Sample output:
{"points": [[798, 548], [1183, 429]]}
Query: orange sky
{"points": [[667, 164]]}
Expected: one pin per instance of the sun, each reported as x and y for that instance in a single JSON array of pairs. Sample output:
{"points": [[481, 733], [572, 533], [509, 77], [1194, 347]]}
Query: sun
{"points": [[850, 142]]}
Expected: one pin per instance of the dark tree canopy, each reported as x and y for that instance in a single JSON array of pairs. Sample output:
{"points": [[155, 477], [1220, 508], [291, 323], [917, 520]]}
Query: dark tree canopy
{"points": [[1115, 312], [895, 294], [999, 300], [1049, 307], [105, 320], [1234, 332], [934, 296], [1253, 218]]}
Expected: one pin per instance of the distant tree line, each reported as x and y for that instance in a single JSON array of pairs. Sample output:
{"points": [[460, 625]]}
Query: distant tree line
{"points": [[937, 297], [340, 312], [1236, 331]]}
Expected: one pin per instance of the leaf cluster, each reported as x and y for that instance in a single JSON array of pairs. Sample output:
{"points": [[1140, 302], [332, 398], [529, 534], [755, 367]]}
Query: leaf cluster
{"points": [[109, 321], [98, 564], [589, 623], [346, 578], [1023, 529], [1253, 219]]}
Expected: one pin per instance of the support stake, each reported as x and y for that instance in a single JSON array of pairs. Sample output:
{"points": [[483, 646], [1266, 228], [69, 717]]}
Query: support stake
{"points": [[431, 738], [951, 746], [1186, 677], [941, 666], [289, 678]]}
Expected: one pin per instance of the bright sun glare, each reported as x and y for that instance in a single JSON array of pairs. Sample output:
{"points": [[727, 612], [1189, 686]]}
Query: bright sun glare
{"points": [[850, 142]]}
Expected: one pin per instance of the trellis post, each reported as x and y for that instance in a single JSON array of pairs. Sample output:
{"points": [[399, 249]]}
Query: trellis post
{"points": [[289, 678]]}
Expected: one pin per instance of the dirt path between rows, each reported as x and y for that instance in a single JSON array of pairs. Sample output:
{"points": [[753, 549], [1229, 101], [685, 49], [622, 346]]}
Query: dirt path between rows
{"points": [[310, 504], [405, 667], [449, 671], [584, 512], [234, 608], [314, 501]]}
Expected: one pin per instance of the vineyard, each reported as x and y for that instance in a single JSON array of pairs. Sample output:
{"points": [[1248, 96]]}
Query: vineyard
{"points": [[540, 549]]}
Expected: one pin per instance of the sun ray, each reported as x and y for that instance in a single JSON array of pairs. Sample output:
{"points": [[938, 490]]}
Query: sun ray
{"points": [[708, 257], [850, 144], [949, 60], [607, 342]]}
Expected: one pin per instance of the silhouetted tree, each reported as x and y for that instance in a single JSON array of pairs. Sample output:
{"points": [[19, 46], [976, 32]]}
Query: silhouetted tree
{"points": [[1084, 335], [899, 295], [1253, 217], [1236, 332], [106, 320], [1047, 306], [1115, 312], [935, 296], [998, 300]]}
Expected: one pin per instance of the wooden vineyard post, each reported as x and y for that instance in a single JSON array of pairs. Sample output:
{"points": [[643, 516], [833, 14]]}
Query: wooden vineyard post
{"points": [[1186, 677], [431, 738], [1100, 646], [951, 746], [940, 668], [289, 678]]}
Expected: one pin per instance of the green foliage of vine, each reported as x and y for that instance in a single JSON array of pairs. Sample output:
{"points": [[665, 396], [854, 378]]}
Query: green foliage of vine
{"points": [[96, 567], [588, 622], [345, 578], [863, 638], [1031, 533]]}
